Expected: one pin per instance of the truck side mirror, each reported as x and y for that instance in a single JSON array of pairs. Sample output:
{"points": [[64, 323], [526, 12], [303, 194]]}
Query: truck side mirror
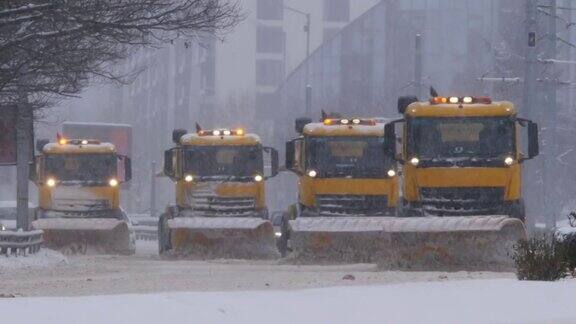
{"points": [[33, 173], [177, 135], [127, 169], [169, 169], [41, 143], [390, 140], [290, 155], [274, 164], [300, 123], [404, 102], [533, 142], [37, 170]]}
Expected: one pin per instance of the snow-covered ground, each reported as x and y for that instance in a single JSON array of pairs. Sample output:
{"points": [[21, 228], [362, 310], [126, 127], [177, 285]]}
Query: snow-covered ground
{"points": [[43, 259], [145, 272], [472, 301]]}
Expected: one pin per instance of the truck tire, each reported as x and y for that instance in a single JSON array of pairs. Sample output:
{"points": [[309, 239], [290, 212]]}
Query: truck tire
{"points": [[518, 210], [282, 242], [163, 235]]}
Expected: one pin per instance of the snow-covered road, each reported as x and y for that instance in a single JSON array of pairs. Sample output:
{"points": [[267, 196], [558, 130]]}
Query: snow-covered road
{"points": [[146, 273], [469, 301]]}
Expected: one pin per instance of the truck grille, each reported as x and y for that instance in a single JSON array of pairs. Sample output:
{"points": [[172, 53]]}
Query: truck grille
{"points": [[351, 204], [462, 201], [80, 204], [223, 206]]}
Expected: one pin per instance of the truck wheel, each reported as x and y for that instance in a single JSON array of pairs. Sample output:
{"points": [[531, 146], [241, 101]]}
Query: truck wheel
{"points": [[282, 242], [518, 210], [163, 235]]}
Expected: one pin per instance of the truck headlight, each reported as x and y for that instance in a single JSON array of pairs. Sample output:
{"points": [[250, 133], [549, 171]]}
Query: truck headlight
{"points": [[391, 173], [51, 182], [113, 182], [312, 173], [188, 178], [509, 161], [414, 161], [258, 178]]}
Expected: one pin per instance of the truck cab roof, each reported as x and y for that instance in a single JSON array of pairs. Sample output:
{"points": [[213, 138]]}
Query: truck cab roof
{"points": [[320, 129], [56, 148], [193, 139], [493, 109]]}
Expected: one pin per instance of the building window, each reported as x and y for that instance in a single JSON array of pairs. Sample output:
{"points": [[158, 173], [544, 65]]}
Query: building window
{"points": [[337, 10], [269, 39], [270, 9], [269, 72]]}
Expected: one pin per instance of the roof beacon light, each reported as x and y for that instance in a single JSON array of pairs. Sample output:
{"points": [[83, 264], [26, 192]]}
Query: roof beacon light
{"points": [[349, 122], [461, 100], [221, 132]]}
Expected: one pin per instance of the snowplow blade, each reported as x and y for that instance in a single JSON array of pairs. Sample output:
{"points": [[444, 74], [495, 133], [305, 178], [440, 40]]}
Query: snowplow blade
{"points": [[86, 235], [212, 238], [471, 242]]}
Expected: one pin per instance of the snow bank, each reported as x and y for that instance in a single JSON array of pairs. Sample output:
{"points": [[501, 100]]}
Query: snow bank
{"points": [[564, 228], [43, 259], [487, 301]]}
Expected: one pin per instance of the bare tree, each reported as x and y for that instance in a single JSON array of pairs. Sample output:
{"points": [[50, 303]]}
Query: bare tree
{"points": [[51, 48]]}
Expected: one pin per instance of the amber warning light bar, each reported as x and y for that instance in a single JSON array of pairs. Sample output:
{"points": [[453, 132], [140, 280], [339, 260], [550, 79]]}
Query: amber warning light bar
{"points": [[222, 132], [349, 122], [460, 100]]}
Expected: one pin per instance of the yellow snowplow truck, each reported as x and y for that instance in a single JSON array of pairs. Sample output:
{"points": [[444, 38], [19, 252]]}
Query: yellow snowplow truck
{"points": [[220, 208], [348, 187], [79, 197], [462, 177]]}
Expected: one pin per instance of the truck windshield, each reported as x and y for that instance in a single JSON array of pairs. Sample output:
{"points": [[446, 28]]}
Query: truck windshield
{"points": [[480, 138], [356, 156], [81, 167], [230, 162]]}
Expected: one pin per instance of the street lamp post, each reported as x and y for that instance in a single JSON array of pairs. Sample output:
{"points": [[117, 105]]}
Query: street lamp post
{"points": [[307, 31], [306, 27]]}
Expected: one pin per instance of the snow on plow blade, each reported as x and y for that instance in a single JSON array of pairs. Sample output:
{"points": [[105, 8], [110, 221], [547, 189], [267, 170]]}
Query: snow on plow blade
{"points": [[86, 235], [416, 242], [219, 237]]}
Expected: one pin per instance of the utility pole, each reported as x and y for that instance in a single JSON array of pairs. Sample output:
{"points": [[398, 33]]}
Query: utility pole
{"points": [[153, 189], [529, 95], [308, 111], [530, 61], [309, 101], [418, 66], [24, 133], [550, 118]]}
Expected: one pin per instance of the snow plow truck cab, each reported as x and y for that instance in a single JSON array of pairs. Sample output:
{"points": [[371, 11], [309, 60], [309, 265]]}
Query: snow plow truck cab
{"points": [[79, 196], [462, 177], [347, 186], [220, 208]]}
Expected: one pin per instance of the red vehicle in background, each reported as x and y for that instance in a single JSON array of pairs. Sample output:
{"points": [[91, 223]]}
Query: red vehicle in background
{"points": [[118, 134]]}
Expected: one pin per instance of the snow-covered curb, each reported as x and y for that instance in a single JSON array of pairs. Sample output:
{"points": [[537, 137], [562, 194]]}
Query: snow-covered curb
{"points": [[43, 259], [472, 301]]}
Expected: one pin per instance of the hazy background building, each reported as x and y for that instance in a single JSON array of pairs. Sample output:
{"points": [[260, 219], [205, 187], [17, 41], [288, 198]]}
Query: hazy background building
{"points": [[362, 57]]}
